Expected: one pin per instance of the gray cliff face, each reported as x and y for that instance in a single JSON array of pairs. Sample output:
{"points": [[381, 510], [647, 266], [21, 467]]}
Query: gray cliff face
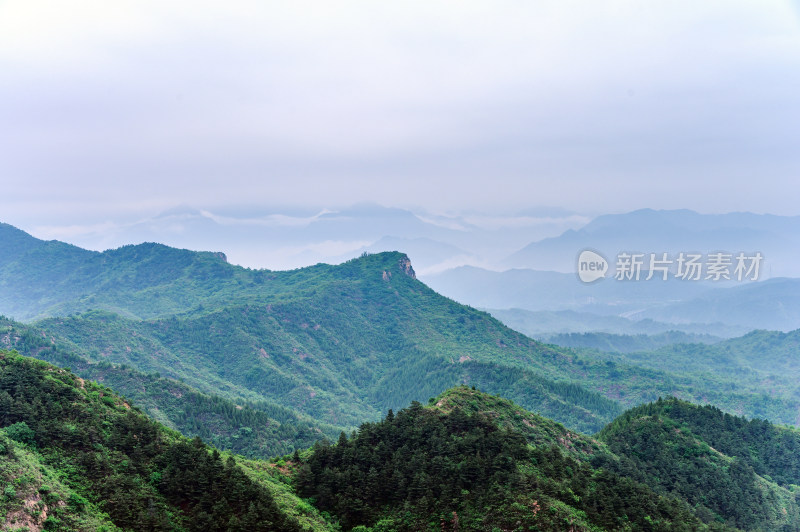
{"points": [[405, 266]]}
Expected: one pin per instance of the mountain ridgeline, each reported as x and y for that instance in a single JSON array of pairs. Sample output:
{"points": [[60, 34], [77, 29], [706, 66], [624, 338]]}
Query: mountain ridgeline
{"points": [[339, 344]]}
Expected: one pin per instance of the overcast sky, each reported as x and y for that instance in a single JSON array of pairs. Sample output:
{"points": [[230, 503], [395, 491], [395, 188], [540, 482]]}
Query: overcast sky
{"points": [[126, 108]]}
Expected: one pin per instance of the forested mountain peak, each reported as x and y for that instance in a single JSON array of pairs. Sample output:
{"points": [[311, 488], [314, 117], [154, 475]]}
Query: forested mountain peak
{"points": [[463, 463], [538, 430]]}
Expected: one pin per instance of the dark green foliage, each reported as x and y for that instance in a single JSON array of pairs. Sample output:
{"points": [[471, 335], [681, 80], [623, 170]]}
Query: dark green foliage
{"points": [[425, 468], [711, 459], [419, 459], [20, 432], [609, 500], [464, 462], [768, 449], [214, 494], [143, 476]]}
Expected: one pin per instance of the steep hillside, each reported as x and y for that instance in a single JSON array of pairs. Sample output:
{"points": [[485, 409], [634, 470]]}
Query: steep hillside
{"points": [[34, 496], [355, 349], [344, 356], [254, 429], [112, 464], [745, 473], [474, 461], [537, 430]]}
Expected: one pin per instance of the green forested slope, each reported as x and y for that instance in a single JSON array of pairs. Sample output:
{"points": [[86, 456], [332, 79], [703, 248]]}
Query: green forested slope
{"points": [[340, 368], [34, 496], [479, 462], [107, 456], [254, 429], [475, 462], [765, 353], [363, 345], [50, 278], [339, 343], [743, 472]]}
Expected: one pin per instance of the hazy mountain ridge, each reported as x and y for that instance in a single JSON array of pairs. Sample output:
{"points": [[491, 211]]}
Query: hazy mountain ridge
{"points": [[670, 231], [439, 245], [727, 310], [295, 237], [542, 275], [554, 291], [771, 304]]}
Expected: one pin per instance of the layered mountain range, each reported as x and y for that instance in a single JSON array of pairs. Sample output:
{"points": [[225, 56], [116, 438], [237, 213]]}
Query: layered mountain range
{"points": [[165, 344]]}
